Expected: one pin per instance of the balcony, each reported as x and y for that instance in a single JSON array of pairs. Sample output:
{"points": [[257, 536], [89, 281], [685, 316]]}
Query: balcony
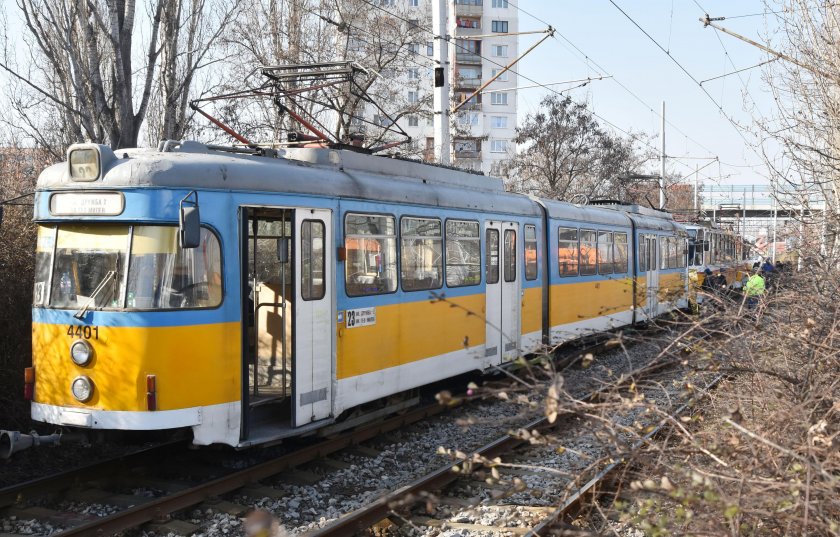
{"points": [[467, 155], [466, 82], [462, 10], [467, 32], [467, 58]]}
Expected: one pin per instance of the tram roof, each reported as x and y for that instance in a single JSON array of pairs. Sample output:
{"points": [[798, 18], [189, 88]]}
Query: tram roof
{"points": [[308, 171], [330, 172]]}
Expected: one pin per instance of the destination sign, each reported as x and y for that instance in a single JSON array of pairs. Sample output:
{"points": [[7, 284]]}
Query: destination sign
{"points": [[87, 203]]}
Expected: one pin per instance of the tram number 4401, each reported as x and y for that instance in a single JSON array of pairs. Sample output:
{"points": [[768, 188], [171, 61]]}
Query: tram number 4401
{"points": [[83, 332]]}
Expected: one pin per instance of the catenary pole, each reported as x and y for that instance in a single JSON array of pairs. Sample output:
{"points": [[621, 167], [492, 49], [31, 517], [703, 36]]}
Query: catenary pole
{"points": [[662, 162], [440, 23]]}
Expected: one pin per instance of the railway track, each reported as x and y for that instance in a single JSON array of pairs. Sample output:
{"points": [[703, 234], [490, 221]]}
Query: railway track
{"points": [[124, 484], [435, 489]]}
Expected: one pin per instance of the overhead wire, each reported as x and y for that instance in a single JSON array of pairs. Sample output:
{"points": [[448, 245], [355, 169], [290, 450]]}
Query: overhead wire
{"points": [[604, 72], [734, 124], [631, 135]]}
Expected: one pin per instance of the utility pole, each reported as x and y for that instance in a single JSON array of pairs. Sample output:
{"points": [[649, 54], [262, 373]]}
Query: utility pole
{"points": [[440, 23], [696, 179], [662, 163]]}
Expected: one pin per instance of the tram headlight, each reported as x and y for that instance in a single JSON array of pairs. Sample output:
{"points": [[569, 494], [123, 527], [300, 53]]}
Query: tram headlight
{"points": [[81, 352], [82, 388], [84, 164]]}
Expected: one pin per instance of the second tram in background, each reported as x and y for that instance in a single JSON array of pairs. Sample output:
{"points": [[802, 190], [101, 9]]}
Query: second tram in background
{"points": [[717, 250]]}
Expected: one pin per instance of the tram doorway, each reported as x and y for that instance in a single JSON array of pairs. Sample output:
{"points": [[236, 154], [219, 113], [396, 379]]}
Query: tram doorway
{"points": [[287, 304]]}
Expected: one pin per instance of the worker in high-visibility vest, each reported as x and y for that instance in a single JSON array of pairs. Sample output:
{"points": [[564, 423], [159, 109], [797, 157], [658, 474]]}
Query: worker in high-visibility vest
{"points": [[754, 289]]}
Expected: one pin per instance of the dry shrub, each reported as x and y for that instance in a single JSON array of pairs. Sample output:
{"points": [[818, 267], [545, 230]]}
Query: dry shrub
{"points": [[19, 169], [760, 455]]}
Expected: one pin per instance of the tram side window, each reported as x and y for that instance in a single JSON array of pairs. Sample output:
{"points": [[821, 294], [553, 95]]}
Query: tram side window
{"points": [[89, 259], [510, 255], [568, 251], [643, 254], [663, 253], [422, 254], [620, 255], [605, 252], [312, 260], [463, 253], [370, 267], [162, 275], [43, 264], [588, 252], [531, 253], [491, 245]]}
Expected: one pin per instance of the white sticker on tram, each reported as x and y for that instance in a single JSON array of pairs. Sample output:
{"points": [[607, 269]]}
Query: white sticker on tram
{"points": [[360, 317]]}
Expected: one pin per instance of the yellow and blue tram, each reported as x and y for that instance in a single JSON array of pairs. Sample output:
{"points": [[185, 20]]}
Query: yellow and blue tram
{"points": [[256, 297]]}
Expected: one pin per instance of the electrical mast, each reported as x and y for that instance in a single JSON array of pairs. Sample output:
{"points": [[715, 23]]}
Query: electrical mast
{"points": [[440, 24]]}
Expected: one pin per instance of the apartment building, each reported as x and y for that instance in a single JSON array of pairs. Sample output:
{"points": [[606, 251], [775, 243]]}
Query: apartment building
{"points": [[483, 129]]}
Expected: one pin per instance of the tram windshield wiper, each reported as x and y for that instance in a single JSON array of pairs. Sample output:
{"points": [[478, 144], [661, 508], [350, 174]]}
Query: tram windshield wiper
{"points": [[92, 300]]}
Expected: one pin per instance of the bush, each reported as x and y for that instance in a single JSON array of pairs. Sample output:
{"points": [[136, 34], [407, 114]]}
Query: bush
{"points": [[18, 172]]}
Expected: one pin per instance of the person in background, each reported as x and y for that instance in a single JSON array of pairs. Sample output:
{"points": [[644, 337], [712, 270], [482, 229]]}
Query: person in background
{"points": [[769, 273], [754, 289]]}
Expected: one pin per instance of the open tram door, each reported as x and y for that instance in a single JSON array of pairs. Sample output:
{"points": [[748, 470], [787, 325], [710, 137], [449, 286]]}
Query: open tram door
{"points": [[502, 295], [287, 299]]}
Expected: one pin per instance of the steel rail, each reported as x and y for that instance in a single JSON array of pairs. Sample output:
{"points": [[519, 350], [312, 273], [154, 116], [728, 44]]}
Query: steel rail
{"points": [[161, 508], [573, 501], [18, 492], [365, 517]]}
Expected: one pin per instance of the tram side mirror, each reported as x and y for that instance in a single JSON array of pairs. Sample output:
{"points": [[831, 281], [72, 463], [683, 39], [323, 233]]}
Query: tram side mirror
{"points": [[283, 250], [189, 222]]}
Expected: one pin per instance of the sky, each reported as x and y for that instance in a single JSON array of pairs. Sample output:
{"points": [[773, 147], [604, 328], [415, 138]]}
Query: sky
{"points": [[609, 43], [594, 38]]}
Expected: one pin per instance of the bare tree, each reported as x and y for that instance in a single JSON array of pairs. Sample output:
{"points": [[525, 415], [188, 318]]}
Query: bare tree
{"points": [[566, 153], [385, 45], [81, 80], [807, 119]]}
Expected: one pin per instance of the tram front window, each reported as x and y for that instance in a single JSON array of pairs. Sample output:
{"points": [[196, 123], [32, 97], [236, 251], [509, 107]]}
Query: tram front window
{"points": [[88, 257], [84, 266]]}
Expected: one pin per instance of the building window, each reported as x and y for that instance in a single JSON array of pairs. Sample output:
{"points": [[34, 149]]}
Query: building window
{"points": [[415, 3], [467, 23], [531, 270], [413, 73], [500, 27], [500, 4], [469, 46], [469, 72], [371, 245], [498, 97], [469, 118], [430, 48], [469, 2], [500, 51], [503, 77], [414, 48], [463, 253], [422, 254], [413, 97], [387, 2], [498, 146], [413, 24], [499, 122], [413, 121]]}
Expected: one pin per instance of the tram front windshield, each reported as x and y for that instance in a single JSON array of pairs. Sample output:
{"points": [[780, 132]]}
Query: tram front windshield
{"points": [[140, 267]]}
